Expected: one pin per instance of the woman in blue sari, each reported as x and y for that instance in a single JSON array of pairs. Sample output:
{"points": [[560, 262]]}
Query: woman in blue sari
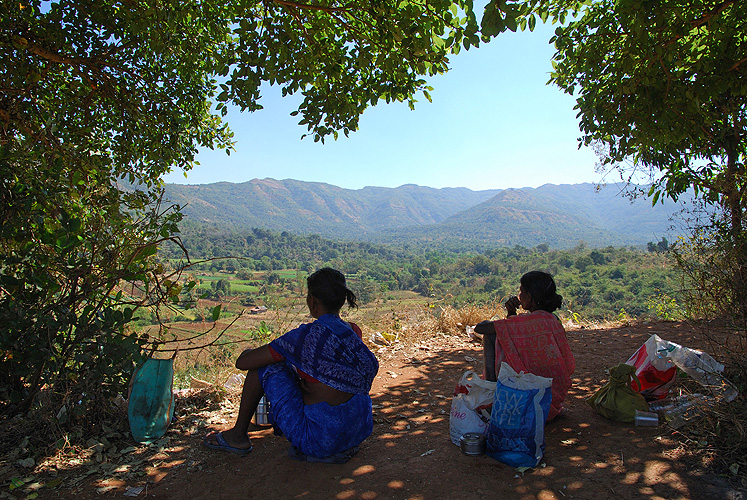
{"points": [[316, 378]]}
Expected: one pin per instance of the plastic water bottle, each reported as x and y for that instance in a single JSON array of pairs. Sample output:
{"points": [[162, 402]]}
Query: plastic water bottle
{"points": [[686, 412], [682, 409]]}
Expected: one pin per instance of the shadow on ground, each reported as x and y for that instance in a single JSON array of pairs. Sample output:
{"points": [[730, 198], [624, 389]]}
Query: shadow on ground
{"points": [[410, 456]]}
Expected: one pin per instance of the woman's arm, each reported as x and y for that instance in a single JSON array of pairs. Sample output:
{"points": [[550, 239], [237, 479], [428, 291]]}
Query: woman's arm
{"points": [[485, 328], [252, 359]]}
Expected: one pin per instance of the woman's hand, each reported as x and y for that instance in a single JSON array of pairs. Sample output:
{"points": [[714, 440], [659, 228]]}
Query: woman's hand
{"points": [[512, 304]]}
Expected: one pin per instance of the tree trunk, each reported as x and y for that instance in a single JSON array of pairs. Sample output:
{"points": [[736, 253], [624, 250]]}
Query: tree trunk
{"points": [[733, 203], [732, 193]]}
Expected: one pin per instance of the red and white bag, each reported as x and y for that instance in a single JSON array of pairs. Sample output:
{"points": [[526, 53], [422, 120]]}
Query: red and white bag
{"points": [[654, 368]]}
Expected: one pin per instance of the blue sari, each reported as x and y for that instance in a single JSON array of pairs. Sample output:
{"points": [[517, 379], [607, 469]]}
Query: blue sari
{"points": [[331, 352]]}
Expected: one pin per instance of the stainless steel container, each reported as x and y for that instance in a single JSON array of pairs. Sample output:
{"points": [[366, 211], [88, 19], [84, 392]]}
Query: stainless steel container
{"points": [[646, 418], [261, 416], [472, 443]]}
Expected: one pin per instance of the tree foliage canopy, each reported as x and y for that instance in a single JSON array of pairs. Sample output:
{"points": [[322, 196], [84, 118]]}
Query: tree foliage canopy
{"points": [[136, 79], [663, 83], [95, 92]]}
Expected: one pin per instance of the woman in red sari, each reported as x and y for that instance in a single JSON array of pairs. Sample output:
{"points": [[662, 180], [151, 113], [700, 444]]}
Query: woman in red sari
{"points": [[532, 343]]}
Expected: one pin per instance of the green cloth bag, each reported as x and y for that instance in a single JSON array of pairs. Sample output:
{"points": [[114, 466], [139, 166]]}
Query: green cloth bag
{"points": [[151, 402], [616, 399]]}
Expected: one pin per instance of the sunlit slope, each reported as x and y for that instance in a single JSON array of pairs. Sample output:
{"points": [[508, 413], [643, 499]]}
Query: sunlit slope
{"points": [[560, 215]]}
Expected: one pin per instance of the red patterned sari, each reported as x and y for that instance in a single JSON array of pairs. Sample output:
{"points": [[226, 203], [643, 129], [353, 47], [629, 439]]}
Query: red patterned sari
{"points": [[536, 343]]}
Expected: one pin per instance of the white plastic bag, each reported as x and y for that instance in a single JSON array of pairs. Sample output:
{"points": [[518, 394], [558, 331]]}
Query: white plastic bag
{"points": [[703, 369], [470, 408]]}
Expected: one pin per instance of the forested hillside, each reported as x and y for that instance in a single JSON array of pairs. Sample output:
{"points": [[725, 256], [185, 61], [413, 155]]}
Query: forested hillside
{"points": [[313, 207], [453, 246], [453, 218]]}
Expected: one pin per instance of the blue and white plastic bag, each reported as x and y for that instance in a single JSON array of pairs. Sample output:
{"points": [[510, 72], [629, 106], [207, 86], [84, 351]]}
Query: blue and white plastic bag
{"points": [[516, 432]]}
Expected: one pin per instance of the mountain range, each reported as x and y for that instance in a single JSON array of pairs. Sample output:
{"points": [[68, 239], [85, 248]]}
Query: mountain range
{"points": [[559, 215]]}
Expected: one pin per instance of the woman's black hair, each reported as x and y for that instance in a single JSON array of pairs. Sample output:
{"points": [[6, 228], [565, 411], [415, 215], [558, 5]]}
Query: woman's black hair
{"points": [[328, 286], [541, 287]]}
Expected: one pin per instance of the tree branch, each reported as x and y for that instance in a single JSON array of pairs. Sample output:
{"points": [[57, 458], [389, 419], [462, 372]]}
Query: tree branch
{"points": [[322, 8], [53, 56], [711, 14], [737, 64]]}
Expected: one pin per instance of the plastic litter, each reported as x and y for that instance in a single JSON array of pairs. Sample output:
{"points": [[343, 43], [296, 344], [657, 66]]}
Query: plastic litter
{"points": [[235, 381], [701, 367], [133, 491], [679, 410], [379, 339]]}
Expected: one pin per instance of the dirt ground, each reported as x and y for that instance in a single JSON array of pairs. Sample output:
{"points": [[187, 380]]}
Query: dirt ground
{"points": [[409, 456]]}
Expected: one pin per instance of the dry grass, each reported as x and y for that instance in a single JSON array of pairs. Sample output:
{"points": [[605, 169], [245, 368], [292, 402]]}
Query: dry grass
{"points": [[417, 322], [85, 452], [718, 441], [447, 319]]}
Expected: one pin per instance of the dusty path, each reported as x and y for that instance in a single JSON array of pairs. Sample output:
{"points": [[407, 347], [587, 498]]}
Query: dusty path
{"points": [[410, 456]]}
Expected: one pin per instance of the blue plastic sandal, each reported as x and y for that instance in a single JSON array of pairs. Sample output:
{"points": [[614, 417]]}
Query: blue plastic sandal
{"points": [[224, 446]]}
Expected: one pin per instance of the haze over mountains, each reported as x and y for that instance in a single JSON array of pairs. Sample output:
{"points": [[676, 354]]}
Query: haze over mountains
{"points": [[559, 215]]}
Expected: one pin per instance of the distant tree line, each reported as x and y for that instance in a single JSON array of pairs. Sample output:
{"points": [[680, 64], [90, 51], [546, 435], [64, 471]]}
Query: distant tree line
{"points": [[660, 247], [595, 282]]}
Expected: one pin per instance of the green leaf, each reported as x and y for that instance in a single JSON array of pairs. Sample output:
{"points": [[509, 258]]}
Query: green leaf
{"points": [[148, 250], [655, 198], [216, 312]]}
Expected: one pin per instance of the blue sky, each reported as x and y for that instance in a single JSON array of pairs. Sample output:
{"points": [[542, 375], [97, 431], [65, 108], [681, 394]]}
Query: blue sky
{"points": [[493, 124]]}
